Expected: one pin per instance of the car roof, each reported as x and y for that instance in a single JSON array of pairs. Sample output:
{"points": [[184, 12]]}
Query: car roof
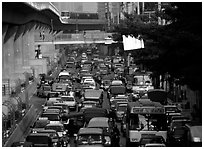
{"points": [[55, 124], [155, 145], [98, 122], [39, 134], [45, 130], [90, 131]]}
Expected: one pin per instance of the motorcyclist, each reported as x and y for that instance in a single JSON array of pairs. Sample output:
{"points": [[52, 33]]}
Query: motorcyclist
{"points": [[116, 136], [64, 140]]}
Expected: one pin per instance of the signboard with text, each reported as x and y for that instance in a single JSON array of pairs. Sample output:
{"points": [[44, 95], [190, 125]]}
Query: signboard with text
{"points": [[147, 110]]}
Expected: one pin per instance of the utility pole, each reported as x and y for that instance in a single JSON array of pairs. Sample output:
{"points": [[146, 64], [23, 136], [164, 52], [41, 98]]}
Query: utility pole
{"points": [[159, 9], [76, 22], [138, 8], [143, 6]]}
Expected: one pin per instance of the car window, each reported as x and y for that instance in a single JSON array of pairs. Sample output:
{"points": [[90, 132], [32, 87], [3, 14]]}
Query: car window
{"points": [[67, 98]]}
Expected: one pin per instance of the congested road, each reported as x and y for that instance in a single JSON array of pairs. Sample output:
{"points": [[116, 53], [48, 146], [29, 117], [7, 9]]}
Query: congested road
{"points": [[86, 90]]}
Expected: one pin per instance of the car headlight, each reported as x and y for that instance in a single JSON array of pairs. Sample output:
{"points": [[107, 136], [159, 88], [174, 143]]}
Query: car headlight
{"points": [[55, 144], [196, 139]]}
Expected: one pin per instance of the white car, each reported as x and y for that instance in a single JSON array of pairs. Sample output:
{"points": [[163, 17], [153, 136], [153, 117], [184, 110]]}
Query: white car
{"points": [[116, 82], [89, 80], [70, 101]]}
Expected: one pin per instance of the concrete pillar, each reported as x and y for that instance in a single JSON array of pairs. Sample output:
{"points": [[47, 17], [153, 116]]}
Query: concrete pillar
{"points": [[18, 49], [4, 52], [8, 48], [25, 47], [31, 41]]}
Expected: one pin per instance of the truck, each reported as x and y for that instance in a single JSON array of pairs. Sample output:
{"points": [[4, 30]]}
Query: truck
{"points": [[94, 95]]}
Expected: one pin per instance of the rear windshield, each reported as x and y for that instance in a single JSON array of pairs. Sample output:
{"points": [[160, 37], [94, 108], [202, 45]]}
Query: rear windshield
{"points": [[57, 128], [51, 117], [38, 139], [67, 98]]}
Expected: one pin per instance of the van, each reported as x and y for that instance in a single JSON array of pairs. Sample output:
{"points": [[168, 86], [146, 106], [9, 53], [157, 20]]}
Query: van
{"points": [[92, 137], [105, 124]]}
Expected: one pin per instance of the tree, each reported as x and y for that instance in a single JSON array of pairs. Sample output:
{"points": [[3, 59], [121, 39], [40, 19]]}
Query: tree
{"points": [[175, 48]]}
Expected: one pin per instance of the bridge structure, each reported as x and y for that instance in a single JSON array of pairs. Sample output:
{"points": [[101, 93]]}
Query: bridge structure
{"points": [[32, 27], [28, 27]]}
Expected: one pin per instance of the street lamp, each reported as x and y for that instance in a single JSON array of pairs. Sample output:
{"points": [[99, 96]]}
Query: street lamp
{"points": [[77, 15]]}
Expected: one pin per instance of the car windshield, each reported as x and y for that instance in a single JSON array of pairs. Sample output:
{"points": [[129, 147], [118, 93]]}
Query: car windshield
{"points": [[122, 108], [46, 88], [67, 98], [84, 139], [57, 128], [51, 117], [41, 124]]}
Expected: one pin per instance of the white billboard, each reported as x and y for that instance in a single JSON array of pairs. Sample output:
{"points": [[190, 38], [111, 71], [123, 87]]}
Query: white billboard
{"points": [[132, 43]]}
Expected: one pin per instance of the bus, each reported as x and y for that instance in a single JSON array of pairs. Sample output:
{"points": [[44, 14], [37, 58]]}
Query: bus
{"points": [[145, 117]]}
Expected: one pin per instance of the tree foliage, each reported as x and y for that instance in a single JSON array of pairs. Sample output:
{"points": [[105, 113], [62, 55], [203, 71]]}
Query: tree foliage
{"points": [[177, 46]]}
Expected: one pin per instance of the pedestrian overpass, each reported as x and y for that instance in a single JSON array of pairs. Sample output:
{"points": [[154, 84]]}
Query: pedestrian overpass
{"points": [[91, 37]]}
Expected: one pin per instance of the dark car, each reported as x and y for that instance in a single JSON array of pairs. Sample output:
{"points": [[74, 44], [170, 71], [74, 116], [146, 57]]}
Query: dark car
{"points": [[40, 139], [177, 136]]}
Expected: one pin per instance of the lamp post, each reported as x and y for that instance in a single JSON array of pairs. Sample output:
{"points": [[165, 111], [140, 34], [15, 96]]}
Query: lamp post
{"points": [[77, 22]]}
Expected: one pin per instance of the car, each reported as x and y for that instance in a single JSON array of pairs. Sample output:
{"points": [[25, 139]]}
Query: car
{"points": [[88, 104], [58, 127], [40, 123], [65, 108], [116, 82], [51, 116], [93, 137], [91, 85], [53, 134], [90, 113], [105, 124], [70, 101], [93, 95], [146, 139], [40, 139], [178, 123], [89, 80], [44, 90]]}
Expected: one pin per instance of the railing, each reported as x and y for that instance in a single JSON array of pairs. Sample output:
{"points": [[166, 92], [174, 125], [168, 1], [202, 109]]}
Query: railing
{"points": [[16, 112], [85, 37]]}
